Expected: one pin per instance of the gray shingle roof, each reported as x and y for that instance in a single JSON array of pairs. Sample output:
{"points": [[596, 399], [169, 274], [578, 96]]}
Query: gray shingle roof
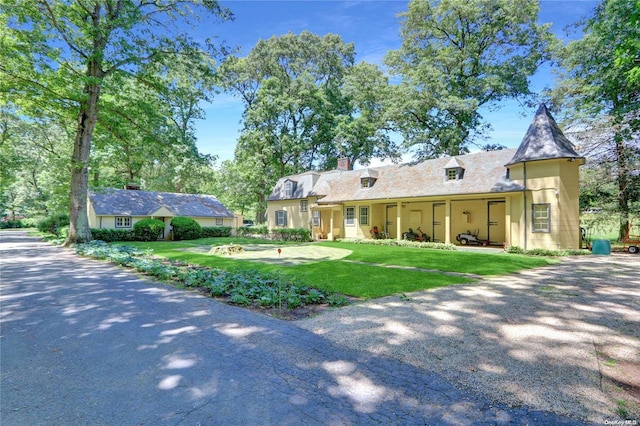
{"points": [[303, 184], [122, 202], [484, 173], [544, 140]]}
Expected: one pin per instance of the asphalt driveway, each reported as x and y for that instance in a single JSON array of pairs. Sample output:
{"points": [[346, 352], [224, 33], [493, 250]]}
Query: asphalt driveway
{"points": [[84, 342]]}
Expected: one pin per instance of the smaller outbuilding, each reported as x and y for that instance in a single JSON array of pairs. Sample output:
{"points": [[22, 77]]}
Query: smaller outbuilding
{"points": [[111, 208]]}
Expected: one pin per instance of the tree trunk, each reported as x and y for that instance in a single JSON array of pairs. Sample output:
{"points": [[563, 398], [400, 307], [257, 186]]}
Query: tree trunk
{"points": [[623, 189], [79, 230]]}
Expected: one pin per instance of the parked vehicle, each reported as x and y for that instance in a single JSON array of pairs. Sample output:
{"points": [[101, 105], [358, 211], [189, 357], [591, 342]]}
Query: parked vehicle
{"points": [[471, 238], [631, 242], [416, 236]]}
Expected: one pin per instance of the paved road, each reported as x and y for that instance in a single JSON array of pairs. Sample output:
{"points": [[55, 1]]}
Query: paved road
{"points": [[83, 342]]}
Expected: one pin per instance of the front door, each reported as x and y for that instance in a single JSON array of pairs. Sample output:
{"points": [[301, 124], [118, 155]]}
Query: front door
{"points": [[391, 223], [437, 229], [496, 225]]}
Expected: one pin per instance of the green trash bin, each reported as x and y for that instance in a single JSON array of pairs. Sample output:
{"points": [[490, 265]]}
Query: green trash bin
{"points": [[601, 247]]}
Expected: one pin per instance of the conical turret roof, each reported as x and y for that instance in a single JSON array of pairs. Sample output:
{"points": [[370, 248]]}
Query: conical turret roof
{"points": [[544, 140]]}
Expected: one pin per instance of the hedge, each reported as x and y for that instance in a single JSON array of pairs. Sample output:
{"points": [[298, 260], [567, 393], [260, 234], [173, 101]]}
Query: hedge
{"points": [[111, 235], [216, 231], [185, 228]]}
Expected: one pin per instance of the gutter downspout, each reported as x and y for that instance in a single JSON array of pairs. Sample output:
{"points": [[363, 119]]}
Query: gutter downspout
{"points": [[524, 193]]}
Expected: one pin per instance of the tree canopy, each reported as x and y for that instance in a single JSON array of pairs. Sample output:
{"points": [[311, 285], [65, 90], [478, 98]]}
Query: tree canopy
{"points": [[600, 98], [65, 57], [458, 56]]}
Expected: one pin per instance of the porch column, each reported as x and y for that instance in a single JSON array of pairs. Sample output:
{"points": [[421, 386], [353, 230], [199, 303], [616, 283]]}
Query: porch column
{"points": [[399, 220], [331, 225], [447, 221], [507, 220]]}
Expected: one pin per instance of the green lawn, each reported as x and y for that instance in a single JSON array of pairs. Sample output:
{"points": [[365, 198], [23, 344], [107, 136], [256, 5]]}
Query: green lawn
{"points": [[356, 279], [443, 260]]}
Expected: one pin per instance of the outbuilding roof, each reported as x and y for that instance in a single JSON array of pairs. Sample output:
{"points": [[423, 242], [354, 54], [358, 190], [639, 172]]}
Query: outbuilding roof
{"points": [[484, 173], [122, 202], [544, 140]]}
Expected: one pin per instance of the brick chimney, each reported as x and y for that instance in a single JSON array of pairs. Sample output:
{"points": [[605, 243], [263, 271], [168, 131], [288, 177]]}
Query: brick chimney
{"points": [[344, 164]]}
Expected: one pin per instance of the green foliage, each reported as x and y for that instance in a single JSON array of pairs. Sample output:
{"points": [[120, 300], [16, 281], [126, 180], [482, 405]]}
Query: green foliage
{"points": [[242, 288], [402, 243], [216, 231], [9, 224], [148, 229], [515, 250], [64, 61], [306, 105], [598, 94], [111, 235], [52, 224], [456, 57], [291, 234], [245, 231], [185, 228], [547, 252]]}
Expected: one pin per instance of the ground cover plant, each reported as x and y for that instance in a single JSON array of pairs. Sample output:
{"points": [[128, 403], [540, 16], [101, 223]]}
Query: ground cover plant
{"points": [[244, 288]]}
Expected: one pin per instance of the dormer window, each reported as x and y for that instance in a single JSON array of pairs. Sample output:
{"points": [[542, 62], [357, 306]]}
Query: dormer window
{"points": [[366, 182], [453, 170], [368, 178], [288, 189]]}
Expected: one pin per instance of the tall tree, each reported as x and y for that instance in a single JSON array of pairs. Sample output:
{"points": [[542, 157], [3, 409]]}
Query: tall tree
{"points": [[458, 56], [290, 86], [87, 45], [599, 95], [362, 130]]}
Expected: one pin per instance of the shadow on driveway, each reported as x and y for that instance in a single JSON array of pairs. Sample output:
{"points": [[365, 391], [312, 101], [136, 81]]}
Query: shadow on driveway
{"points": [[84, 342]]}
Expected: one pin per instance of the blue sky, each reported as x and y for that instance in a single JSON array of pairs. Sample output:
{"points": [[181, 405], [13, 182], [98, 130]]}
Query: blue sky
{"points": [[373, 26]]}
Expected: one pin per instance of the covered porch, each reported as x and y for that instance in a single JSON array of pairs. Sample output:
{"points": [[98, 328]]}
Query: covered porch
{"points": [[440, 219]]}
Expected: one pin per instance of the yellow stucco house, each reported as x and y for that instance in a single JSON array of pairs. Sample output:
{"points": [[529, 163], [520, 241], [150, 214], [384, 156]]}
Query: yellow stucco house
{"points": [[111, 208], [526, 197]]}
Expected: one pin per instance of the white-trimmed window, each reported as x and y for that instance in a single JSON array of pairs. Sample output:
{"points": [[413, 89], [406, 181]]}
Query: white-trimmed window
{"points": [[316, 218], [541, 217], [452, 174], [123, 222], [364, 215], [281, 218], [219, 221], [304, 205], [350, 216], [288, 189]]}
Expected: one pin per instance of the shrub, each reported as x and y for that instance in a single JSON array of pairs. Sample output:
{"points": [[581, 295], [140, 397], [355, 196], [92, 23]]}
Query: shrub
{"points": [[185, 228], [402, 243], [252, 231], [216, 231], [110, 235], [29, 222], [292, 234], [148, 229], [515, 250], [52, 224], [11, 223]]}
